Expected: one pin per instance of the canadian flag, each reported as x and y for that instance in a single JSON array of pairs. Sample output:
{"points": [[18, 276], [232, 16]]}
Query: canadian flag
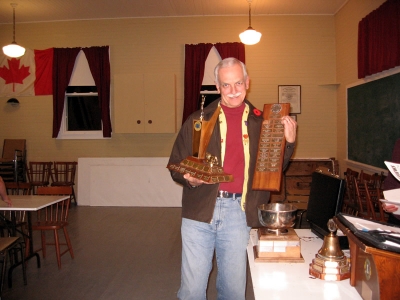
{"points": [[28, 75]]}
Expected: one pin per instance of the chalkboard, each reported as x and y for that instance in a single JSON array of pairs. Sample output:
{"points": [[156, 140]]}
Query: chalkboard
{"points": [[373, 111]]}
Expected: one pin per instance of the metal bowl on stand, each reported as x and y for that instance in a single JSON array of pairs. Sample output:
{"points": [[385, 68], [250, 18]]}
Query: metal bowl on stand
{"points": [[277, 217]]}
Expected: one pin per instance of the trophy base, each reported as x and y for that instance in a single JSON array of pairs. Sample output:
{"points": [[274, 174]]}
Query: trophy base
{"points": [[273, 247], [201, 169]]}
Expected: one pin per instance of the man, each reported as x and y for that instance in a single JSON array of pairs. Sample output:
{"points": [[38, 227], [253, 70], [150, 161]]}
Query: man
{"points": [[3, 192], [219, 216]]}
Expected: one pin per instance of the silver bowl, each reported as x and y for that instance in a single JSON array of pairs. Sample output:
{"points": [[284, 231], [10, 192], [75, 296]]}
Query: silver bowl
{"points": [[277, 216]]}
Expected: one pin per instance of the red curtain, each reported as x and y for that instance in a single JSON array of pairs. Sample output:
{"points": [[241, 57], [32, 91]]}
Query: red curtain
{"points": [[236, 50], [195, 59], [99, 64], [63, 64], [379, 39]]}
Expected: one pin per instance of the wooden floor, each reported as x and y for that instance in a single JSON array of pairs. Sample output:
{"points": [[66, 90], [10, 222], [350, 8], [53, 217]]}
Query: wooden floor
{"points": [[120, 253]]}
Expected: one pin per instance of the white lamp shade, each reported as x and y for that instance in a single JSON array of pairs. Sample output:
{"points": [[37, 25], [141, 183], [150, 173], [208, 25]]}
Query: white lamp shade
{"points": [[250, 36], [13, 50]]}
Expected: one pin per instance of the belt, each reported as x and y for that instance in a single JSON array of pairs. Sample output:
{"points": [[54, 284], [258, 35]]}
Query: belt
{"points": [[225, 194]]}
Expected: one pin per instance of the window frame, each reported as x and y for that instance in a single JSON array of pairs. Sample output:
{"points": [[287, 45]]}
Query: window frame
{"points": [[76, 134]]}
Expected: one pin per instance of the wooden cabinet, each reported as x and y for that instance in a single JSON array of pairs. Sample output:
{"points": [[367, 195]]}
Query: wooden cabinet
{"points": [[144, 103], [296, 183]]}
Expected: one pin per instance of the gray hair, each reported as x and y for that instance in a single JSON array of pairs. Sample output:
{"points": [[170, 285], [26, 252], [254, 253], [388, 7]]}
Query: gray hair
{"points": [[229, 62]]}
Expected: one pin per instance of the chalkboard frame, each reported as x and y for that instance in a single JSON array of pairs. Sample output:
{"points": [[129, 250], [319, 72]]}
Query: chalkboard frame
{"points": [[373, 120]]}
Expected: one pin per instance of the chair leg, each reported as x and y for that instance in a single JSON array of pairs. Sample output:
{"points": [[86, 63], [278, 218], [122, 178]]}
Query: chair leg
{"points": [[23, 265], [67, 239], [27, 247], [73, 195], [20, 249], [43, 234], [3, 271], [57, 244]]}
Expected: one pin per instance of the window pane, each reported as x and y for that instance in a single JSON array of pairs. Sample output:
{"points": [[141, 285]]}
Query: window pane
{"points": [[83, 113]]}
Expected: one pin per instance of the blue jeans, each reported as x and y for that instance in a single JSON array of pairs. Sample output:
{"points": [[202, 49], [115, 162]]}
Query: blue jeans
{"points": [[228, 235]]}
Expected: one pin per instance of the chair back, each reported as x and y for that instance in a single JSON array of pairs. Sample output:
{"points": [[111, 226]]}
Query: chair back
{"points": [[39, 173], [12, 145], [364, 210], [13, 160], [373, 195], [350, 204], [18, 188], [63, 173], [57, 212]]}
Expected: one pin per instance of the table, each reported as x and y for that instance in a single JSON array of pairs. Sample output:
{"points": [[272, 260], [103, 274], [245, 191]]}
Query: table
{"points": [[291, 280], [30, 203]]}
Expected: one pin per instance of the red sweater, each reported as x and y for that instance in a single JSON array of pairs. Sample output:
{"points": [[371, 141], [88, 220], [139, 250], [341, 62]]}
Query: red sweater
{"points": [[234, 153]]}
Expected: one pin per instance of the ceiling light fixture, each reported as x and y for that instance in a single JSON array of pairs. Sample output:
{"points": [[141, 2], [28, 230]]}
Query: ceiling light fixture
{"points": [[250, 36], [13, 50]]}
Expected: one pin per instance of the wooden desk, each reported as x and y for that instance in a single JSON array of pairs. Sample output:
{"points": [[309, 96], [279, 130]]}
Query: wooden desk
{"points": [[291, 280], [30, 203]]}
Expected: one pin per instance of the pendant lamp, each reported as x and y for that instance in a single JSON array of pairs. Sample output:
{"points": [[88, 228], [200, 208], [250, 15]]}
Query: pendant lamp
{"points": [[13, 49], [250, 36]]}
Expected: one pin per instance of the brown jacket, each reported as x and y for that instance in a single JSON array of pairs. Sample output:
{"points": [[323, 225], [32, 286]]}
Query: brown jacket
{"points": [[198, 203]]}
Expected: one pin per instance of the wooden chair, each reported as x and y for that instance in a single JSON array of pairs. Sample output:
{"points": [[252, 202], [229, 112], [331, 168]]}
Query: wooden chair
{"points": [[8, 245], [364, 208], [382, 178], [38, 174], [63, 174], [12, 162], [350, 202], [17, 188], [373, 194], [16, 220], [54, 218]]}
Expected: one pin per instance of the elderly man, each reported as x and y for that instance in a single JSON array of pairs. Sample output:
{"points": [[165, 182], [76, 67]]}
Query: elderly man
{"points": [[218, 217]]}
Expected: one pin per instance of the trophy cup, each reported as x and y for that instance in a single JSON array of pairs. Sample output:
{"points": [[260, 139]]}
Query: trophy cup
{"points": [[202, 165]]}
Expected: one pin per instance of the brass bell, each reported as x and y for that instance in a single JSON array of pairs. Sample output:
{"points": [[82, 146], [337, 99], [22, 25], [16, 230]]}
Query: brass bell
{"points": [[330, 263], [330, 248]]}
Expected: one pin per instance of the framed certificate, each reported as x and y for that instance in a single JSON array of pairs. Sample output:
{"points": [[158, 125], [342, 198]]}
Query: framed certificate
{"points": [[290, 94]]}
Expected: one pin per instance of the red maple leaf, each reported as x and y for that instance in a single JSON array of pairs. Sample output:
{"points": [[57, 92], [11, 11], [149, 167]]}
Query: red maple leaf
{"points": [[14, 74]]}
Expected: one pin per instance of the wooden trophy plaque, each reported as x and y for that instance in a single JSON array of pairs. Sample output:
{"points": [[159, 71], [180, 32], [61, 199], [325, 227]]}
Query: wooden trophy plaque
{"points": [[271, 148], [202, 165]]}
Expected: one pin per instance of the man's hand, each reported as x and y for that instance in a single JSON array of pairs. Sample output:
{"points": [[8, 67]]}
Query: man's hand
{"points": [[290, 126], [194, 182], [389, 207], [7, 201]]}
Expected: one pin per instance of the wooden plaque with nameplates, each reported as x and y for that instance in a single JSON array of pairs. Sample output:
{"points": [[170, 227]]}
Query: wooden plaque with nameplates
{"points": [[271, 148], [202, 165]]}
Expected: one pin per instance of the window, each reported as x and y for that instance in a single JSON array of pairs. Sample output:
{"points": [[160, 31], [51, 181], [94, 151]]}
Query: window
{"points": [[81, 116], [210, 93]]}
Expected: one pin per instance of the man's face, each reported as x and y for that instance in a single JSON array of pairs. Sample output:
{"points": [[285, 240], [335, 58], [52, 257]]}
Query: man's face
{"points": [[232, 85]]}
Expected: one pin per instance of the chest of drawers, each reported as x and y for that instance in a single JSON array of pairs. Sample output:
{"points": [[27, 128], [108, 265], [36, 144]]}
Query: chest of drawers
{"points": [[296, 181]]}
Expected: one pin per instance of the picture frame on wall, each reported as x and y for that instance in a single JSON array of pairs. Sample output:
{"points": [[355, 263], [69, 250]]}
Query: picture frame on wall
{"points": [[293, 116], [290, 94]]}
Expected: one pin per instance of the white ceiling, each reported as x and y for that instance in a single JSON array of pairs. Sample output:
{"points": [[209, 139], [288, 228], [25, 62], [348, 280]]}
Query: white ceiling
{"points": [[53, 10]]}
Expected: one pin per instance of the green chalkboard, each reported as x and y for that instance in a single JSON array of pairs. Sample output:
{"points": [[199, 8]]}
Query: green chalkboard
{"points": [[373, 110]]}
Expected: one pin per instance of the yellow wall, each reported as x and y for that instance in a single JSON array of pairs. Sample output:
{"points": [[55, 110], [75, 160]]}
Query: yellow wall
{"points": [[294, 50]]}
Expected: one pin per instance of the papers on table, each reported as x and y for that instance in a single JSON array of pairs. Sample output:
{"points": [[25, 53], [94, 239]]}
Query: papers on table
{"points": [[393, 168], [392, 197]]}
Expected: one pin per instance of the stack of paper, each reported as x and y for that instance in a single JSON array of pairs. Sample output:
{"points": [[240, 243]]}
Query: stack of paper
{"points": [[393, 196]]}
